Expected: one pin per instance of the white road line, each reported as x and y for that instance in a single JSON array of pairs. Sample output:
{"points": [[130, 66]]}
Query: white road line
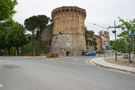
{"points": [[82, 64], [68, 57], [73, 63], [75, 59], [87, 62], [1, 85]]}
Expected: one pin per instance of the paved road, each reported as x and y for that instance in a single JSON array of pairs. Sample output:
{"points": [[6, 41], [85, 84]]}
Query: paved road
{"points": [[70, 73]]}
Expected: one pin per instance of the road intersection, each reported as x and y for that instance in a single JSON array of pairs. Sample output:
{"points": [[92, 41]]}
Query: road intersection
{"points": [[65, 73]]}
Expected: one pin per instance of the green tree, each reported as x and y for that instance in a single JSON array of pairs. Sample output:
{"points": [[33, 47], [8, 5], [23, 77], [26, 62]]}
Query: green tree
{"points": [[4, 26], [30, 24], [7, 8], [87, 34], [127, 27], [15, 36], [38, 22], [42, 22], [2, 39], [120, 45]]}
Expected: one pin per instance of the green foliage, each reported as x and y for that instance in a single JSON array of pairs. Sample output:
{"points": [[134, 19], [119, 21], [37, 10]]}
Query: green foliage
{"points": [[120, 45], [2, 39], [131, 61], [95, 48], [12, 34], [29, 37], [111, 42], [89, 32], [15, 36], [127, 27], [52, 55], [38, 22], [7, 8], [29, 48]]}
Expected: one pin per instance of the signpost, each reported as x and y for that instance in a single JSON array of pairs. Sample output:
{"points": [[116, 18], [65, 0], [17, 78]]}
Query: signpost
{"points": [[132, 45], [19, 50], [104, 42]]}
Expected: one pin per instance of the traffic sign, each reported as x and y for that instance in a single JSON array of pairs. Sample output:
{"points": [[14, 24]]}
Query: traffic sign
{"points": [[19, 50], [104, 42]]}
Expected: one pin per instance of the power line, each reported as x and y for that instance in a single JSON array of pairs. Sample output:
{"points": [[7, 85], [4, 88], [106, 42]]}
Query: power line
{"points": [[96, 25]]}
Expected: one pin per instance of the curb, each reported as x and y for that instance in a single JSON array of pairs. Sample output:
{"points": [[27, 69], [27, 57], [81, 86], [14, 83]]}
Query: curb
{"points": [[100, 62]]}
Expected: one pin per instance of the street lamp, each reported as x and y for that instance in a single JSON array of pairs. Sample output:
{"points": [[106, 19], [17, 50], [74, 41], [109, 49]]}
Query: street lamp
{"points": [[114, 31]]}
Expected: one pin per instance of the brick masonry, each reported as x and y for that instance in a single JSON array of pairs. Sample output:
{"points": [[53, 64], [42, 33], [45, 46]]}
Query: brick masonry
{"points": [[68, 30]]}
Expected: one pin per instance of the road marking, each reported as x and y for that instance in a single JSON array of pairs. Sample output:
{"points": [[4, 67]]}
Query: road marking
{"points": [[87, 61], [1, 85], [75, 59]]}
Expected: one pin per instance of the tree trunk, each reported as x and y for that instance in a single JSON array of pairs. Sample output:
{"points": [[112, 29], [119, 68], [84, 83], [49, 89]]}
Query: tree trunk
{"points": [[17, 50], [11, 50], [129, 56], [8, 50], [40, 39], [32, 37]]}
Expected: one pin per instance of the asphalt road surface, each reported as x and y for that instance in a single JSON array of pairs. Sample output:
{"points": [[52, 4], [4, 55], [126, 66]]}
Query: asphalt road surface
{"points": [[69, 73]]}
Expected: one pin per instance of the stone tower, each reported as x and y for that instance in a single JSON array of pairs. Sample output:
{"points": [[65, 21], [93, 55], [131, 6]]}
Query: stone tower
{"points": [[68, 30]]}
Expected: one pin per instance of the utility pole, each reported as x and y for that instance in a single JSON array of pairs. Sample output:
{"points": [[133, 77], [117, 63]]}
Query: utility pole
{"points": [[115, 39], [114, 31]]}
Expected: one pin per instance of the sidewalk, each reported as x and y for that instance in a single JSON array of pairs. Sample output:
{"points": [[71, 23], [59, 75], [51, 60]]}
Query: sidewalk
{"points": [[102, 63]]}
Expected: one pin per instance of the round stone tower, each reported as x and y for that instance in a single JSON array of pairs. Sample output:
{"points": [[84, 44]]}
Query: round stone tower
{"points": [[68, 30]]}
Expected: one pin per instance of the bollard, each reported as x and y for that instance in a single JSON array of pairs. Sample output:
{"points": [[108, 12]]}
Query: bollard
{"points": [[49, 56]]}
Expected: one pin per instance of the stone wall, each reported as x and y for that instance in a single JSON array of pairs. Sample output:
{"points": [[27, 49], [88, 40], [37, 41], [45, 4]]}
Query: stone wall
{"points": [[47, 35], [68, 30], [68, 42]]}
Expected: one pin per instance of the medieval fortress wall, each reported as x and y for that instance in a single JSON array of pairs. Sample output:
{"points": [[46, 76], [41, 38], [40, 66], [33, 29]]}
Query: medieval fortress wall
{"points": [[68, 30]]}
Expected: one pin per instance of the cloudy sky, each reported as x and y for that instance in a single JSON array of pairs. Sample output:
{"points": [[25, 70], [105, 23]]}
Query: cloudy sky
{"points": [[101, 12]]}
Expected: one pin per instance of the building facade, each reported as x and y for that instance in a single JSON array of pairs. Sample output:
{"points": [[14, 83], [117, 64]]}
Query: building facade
{"points": [[105, 37], [92, 47]]}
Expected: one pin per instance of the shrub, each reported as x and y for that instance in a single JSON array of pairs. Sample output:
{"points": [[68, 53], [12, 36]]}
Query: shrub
{"points": [[30, 54], [131, 61], [52, 55]]}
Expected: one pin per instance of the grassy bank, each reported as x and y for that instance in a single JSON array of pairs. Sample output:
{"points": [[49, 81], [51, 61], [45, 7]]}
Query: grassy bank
{"points": [[28, 49]]}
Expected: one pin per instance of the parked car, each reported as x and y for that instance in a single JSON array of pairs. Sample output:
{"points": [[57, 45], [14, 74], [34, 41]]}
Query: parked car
{"points": [[102, 52], [91, 53], [119, 53]]}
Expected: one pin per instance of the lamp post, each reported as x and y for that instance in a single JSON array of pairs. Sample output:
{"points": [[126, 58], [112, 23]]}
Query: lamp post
{"points": [[114, 31], [108, 39]]}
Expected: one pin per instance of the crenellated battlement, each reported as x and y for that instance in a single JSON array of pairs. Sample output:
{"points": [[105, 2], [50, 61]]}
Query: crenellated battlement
{"points": [[70, 10]]}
